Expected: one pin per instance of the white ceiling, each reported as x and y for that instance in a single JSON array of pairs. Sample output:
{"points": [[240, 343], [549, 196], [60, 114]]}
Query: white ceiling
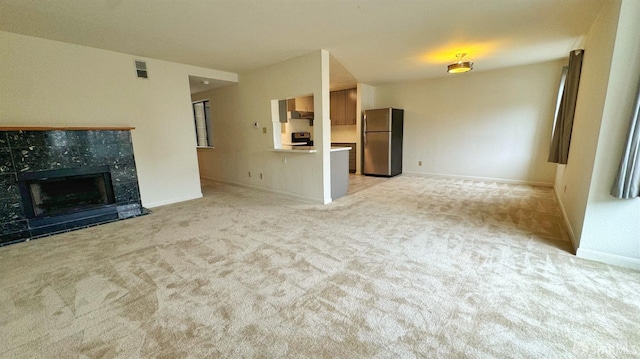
{"points": [[202, 84], [378, 41]]}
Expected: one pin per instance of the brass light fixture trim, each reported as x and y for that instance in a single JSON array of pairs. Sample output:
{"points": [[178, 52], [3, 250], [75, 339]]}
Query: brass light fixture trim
{"points": [[463, 64]]}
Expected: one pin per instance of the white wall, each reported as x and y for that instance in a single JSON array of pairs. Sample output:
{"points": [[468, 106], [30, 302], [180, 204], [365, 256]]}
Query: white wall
{"points": [[494, 124], [240, 149], [366, 98], [610, 228], [574, 178], [50, 83]]}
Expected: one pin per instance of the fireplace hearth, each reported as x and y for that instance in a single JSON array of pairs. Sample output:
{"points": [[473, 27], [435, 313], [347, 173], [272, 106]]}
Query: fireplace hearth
{"points": [[57, 180]]}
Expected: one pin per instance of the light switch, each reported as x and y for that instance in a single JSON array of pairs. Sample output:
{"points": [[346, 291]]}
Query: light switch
{"points": [[264, 130]]}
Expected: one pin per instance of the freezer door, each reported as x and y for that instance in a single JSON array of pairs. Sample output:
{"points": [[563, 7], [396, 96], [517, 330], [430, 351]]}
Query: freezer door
{"points": [[377, 120], [377, 153]]}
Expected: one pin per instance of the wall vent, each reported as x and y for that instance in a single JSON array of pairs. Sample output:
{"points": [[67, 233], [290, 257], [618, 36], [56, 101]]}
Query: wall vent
{"points": [[141, 69]]}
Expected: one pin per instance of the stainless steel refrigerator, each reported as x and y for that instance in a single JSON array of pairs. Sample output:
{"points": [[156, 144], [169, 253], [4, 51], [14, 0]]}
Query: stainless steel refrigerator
{"points": [[382, 141]]}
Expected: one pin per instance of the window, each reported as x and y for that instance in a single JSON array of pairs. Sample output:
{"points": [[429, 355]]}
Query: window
{"points": [[563, 79], [202, 119]]}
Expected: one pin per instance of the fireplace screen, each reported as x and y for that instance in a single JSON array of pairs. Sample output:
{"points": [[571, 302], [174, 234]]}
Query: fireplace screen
{"points": [[66, 191]]}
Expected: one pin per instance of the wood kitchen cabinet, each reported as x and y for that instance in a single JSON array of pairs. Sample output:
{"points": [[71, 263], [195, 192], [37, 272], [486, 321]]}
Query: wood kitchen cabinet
{"points": [[351, 96], [343, 107], [337, 101], [300, 104]]}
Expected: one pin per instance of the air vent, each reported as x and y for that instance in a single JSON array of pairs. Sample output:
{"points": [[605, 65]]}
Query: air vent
{"points": [[141, 69]]}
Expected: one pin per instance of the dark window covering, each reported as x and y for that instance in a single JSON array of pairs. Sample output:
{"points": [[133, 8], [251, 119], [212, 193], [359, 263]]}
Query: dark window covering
{"points": [[559, 150]]}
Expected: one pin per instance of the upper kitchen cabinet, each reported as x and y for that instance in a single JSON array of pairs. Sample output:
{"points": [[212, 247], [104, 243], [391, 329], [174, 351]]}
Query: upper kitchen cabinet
{"points": [[350, 106], [337, 101], [282, 111], [343, 107], [300, 104]]}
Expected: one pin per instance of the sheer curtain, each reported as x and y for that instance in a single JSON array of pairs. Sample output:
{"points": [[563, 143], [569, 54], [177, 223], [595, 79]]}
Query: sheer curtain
{"points": [[627, 183], [559, 150]]}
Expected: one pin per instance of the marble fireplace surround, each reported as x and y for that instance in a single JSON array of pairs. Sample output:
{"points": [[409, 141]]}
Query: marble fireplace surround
{"points": [[34, 149]]}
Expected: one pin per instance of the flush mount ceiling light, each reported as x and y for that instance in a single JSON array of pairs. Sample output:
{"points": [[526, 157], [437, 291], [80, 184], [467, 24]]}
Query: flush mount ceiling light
{"points": [[463, 64]]}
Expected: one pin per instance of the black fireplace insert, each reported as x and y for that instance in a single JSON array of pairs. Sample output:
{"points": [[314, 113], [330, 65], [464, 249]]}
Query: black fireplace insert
{"points": [[57, 199]]}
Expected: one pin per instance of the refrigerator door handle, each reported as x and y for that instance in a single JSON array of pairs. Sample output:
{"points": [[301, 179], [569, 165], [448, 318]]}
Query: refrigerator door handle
{"points": [[364, 130], [365, 122]]}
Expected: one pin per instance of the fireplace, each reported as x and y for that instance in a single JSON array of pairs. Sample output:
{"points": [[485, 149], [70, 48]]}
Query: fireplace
{"points": [[55, 200], [56, 180], [74, 193]]}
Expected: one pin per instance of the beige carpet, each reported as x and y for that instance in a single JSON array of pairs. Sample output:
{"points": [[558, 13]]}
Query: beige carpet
{"points": [[411, 267]]}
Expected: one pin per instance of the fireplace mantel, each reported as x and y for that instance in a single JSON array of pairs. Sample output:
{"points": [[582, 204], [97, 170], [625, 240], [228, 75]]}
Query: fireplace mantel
{"points": [[67, 128]]}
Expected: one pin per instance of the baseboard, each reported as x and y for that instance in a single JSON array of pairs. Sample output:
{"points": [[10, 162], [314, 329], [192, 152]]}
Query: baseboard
{"points": [[613, 259], [567, 224], [171, 201], [475, 178], [263, 189]]}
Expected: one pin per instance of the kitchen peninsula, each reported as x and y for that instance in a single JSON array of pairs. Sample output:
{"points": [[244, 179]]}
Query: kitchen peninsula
{"points": [[295, 118], [339, 171], [339, 166]]}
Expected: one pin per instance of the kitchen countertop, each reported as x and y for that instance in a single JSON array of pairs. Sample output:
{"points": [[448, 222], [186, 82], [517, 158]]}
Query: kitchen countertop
{"points": [[295, 149], [335, 149], [295, 144], [306, 149]]}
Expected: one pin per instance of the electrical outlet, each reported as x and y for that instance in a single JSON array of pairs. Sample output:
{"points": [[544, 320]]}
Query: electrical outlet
{"points": [[419, 163], [261, 176], [249, 173]]}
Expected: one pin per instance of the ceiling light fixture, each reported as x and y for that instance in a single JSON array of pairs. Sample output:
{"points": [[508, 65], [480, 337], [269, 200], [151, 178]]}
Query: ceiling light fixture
{"points": [[463, 64], [205, 82]]}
